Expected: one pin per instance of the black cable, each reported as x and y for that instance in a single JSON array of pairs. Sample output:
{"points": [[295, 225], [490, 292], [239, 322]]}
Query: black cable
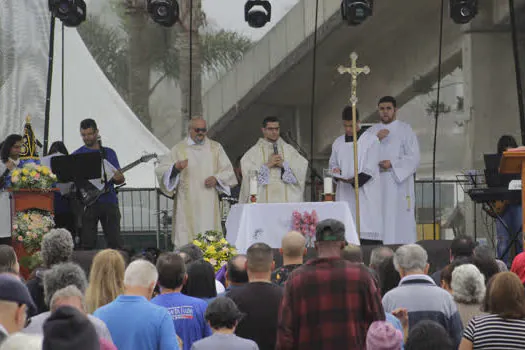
{"points": [[63, 56], [517, 67], [49, 81], [312, 102], [190, 95], [436, 116]]}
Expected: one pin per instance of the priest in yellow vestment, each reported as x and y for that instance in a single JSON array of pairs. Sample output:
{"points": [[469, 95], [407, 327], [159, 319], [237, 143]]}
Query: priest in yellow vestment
{"points": [[194, 172], [281, 169]]}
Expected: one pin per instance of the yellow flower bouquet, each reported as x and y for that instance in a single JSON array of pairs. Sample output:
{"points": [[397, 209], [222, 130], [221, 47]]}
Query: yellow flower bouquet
{"points": [[32, 176], [217, 251]]}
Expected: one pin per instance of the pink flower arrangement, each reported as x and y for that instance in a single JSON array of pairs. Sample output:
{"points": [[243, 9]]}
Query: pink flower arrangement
{"points": [[306, 224]]}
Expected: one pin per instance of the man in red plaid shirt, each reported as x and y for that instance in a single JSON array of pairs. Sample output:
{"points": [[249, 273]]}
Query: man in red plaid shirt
{"points": [[328, 303]]}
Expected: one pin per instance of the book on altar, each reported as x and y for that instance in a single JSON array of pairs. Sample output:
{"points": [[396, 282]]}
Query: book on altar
{"points": [[517, 149]]}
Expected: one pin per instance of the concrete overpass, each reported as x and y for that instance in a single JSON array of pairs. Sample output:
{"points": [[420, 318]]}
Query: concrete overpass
{"points": [[400, 44]]}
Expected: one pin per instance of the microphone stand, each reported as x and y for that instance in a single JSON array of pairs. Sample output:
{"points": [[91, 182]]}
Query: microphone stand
{"points": [[289, 138], [103, 156]]}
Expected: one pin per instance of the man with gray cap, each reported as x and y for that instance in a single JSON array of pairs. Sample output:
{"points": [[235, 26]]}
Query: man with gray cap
{"points": [[328, 301], [15, 301]]}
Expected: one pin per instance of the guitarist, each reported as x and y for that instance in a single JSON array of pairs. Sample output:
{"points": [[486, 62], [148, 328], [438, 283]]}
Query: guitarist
{"points": [[105, 209], [511, 214]]}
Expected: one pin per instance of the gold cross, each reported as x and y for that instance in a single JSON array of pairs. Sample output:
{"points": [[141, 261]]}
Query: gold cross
{"points": [[354, 71]]}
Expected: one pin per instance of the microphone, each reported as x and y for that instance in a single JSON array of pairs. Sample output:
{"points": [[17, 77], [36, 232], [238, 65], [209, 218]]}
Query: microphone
{"points": [[275, 150], [101, 149]]}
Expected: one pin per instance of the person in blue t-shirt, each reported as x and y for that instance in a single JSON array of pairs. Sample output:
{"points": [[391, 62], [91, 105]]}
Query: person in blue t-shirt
{"points": [[105, 209], [187, 312]]}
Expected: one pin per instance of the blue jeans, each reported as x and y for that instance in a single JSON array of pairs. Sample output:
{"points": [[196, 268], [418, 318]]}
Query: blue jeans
{"points": [[513, 220]]}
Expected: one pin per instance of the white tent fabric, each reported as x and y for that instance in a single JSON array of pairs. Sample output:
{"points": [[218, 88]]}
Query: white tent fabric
{"points": [[87, 94]]}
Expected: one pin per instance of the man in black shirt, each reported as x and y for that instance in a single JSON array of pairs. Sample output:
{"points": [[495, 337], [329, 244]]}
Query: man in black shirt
{"points": [[293, 250], [259, 300]]}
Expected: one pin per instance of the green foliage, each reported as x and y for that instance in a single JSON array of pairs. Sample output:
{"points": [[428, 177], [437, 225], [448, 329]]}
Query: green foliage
{"points": [[110, 51], [221, 50]]}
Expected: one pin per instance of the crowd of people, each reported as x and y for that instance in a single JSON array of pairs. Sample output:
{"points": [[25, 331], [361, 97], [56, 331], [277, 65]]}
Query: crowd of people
{"points": [[176, 300]]}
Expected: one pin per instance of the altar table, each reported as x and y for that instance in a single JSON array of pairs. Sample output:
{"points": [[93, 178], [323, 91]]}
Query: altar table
{"points": [[268, 223]]}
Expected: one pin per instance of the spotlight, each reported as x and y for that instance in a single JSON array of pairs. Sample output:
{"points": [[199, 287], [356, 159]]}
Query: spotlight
{"points": [[257, 13], [164, 12], [463, 11], [356, 11], [70, 12]]}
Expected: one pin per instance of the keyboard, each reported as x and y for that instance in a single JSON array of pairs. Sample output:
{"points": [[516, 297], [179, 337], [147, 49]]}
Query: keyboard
{"points": [[483, 195]]}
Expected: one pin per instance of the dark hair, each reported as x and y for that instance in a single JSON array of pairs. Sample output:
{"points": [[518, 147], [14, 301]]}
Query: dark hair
{"points": [[58, 147], [486, 265], [428, 335], [446, 273], [8, 143], [171, 269], [236, 274], [462, 246], [506, 141], [270, 119], [7, 269], [506, 297], [387, 99], [193, 253], [347, 114], [148, 254], [88, 123], [388, 276], [222, 313], [7, 256], [201, 280], [260, 257]]}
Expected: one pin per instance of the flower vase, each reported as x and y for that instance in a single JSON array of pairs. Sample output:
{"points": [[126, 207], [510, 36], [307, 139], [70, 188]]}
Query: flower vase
{"points": [[310, 242]]}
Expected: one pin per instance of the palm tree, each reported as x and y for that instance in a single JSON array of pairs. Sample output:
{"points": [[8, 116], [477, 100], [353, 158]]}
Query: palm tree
{"points": [[129, 62]]}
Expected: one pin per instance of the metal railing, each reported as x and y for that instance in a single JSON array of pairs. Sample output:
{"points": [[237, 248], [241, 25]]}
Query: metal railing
{"points": [[146, 214]]}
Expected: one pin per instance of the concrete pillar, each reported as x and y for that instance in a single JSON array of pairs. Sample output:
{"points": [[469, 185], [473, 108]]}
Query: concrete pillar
{"points": [[490, 92]]}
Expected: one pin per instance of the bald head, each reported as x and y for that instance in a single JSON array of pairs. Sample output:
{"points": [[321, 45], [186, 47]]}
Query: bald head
{"points": [[293, 244], [236, 270], [197, 122]]}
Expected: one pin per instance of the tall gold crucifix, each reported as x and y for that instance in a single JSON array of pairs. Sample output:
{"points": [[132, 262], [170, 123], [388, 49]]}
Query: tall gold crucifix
{"points": [[355, 71]]}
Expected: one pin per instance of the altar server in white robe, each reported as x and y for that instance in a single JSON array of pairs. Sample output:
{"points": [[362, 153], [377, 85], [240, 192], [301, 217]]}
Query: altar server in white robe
{"points": [[342, 163], [194, 172], [399, 159], [281, 169]]}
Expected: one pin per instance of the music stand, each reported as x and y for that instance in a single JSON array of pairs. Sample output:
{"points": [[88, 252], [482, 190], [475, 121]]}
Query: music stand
{"points": [[77, 167]]}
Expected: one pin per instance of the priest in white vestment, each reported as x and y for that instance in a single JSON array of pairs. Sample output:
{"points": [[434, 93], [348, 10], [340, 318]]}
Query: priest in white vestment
{"points": [[399, 159], [194, 172], [281, 169], [342, 164]]}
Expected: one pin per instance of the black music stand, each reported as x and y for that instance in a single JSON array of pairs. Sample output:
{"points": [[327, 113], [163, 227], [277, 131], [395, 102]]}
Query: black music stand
{"points": [[77, 167]]}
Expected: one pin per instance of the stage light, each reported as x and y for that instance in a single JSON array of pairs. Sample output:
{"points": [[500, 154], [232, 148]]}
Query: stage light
{"points": [[257, 13], [164, 12], [355, 12], [463, 11], [70, 12]]}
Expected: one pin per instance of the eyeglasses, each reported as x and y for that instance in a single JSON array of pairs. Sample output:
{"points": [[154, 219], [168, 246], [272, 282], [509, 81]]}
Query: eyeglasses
{"points": [[197, 130]]}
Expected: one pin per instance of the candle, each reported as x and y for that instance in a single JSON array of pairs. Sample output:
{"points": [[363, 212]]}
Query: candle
{"points": [[253, 186], [328, 189]]}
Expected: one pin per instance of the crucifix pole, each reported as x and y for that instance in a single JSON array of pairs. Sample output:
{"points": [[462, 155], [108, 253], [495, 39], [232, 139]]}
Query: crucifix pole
{"points": [[355, 71]]}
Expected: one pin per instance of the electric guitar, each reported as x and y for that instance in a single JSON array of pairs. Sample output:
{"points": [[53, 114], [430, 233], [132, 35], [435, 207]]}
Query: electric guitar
{"points": [[497, 208], [89, 194]]}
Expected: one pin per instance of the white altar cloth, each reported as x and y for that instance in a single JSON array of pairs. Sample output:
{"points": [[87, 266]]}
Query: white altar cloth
{"points": [[268, 223]]}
